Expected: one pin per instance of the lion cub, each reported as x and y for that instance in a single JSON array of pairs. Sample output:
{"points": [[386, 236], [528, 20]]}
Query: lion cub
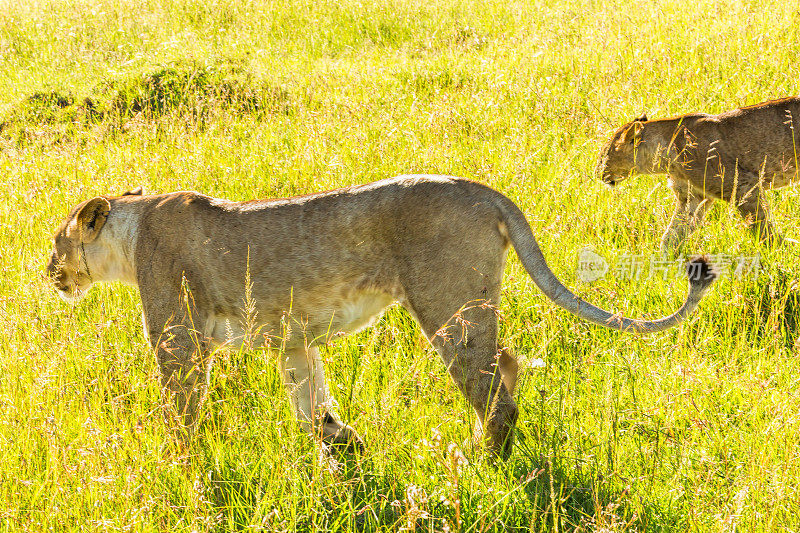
{"points": [[318, 266], [732, 156]]}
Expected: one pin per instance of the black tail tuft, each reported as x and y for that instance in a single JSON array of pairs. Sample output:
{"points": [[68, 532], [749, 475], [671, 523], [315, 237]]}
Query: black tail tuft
{"points": [[701, 272]]}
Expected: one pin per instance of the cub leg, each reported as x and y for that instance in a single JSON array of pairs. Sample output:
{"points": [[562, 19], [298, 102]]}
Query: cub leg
{"points": [[691, 208], [467, 342], [755, 212], [184, 361], [304, 378]]}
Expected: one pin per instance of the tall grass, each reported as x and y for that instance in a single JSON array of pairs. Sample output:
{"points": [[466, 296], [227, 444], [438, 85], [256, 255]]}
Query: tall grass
{"points": [[693, 429]]}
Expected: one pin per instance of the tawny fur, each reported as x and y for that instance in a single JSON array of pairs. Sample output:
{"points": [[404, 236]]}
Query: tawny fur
{"points": [[319, 266], [733, 156]]}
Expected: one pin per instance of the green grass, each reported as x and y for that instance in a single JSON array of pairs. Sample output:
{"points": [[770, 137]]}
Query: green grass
{"points": [[695, 429]]}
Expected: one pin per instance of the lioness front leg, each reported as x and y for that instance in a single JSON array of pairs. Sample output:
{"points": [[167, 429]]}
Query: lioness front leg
{"points": [[184, 361], [687, 217], [754, 210], [304, 378]]}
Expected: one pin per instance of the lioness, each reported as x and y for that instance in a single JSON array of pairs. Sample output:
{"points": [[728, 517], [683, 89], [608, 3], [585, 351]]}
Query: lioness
{"points": [[319, 266], [732, 156]]}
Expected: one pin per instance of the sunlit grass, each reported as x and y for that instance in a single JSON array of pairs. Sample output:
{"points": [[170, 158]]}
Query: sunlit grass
{"points": [[693, 429]]}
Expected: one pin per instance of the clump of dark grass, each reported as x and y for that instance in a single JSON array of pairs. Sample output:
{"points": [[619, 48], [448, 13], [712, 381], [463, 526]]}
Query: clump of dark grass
{"points": [[43, 107], [189, 89], [45, 113]]}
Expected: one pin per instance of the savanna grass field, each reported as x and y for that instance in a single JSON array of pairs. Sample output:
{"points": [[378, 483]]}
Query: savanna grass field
{"points": [[693, 429]]}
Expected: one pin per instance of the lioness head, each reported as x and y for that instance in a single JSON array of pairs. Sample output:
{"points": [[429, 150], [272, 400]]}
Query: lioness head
{"points": [[619, 156], [68, 267]]}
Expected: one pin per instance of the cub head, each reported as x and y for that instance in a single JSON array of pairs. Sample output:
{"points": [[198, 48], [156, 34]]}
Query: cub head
{"points": [[618, 157], [68, 268]]}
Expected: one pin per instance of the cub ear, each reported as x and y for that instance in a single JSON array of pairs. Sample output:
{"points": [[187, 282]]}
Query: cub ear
{"points": [[138, 191], [89, 220]]}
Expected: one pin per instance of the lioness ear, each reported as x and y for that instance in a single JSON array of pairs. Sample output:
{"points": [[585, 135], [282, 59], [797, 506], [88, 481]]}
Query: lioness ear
{"points": [[87, 223], [138, 191], [631, 132]]}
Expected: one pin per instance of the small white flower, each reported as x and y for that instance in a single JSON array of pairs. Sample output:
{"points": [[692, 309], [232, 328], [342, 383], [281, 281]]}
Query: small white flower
{"points": [[538, 363]]}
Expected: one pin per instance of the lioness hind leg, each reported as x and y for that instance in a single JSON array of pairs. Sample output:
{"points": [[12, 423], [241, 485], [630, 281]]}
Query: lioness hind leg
{"points": [[304, 378], [467, 342]]}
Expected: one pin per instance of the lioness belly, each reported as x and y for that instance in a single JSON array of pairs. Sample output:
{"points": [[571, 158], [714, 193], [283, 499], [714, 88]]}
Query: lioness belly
{"points": [[330, 318], [360, 311]]}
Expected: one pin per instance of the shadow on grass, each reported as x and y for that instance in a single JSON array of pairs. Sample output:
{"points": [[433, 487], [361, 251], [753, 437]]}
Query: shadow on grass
{"points": [[355, 495], [346, 496], [563, 501], [774, 300], [767, 306]]}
